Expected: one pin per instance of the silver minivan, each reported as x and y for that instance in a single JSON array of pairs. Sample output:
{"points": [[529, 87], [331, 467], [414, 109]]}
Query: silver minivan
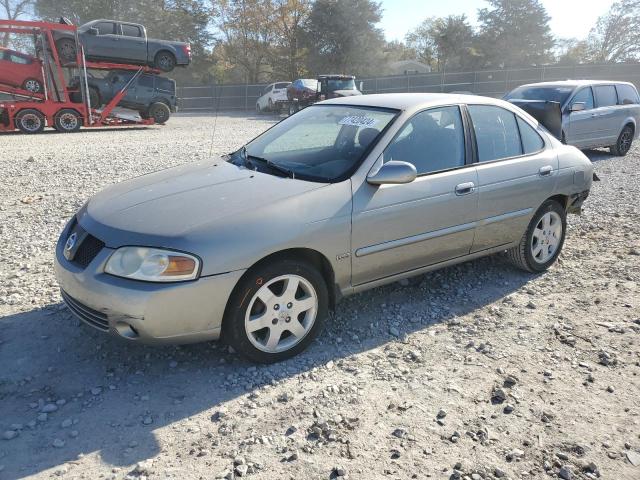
{"points": [[593, 113]]}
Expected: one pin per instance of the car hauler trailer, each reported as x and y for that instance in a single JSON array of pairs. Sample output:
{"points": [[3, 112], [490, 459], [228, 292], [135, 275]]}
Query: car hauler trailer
{"points": [[31, 112]]}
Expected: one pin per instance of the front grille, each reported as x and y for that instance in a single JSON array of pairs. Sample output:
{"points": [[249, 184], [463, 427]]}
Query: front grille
{"points": [[87, 251], [87, 315]]}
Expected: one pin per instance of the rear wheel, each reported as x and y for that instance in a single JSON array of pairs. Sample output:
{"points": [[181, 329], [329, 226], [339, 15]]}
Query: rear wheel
{"points": [[159, 112], [541, 244], [33, 85], [67, 121], [623, 144], [165, 61], [258, 108], [30, 121], [66, 49], [276, 311]]}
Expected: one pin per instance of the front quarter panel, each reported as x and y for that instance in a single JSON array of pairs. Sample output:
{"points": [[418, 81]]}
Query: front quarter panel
{"points": [[319, 220]]}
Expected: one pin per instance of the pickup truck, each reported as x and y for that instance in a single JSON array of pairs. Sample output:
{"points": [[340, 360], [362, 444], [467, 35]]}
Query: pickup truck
{"points": [[122, 42]]}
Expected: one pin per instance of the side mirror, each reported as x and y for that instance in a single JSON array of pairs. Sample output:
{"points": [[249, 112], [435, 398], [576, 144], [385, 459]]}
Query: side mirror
{"points": [[578, 107], [393, 172], [93, 31]]}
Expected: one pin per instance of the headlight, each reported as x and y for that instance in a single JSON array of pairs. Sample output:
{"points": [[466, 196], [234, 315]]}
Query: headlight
{"points": [[152, 264]]}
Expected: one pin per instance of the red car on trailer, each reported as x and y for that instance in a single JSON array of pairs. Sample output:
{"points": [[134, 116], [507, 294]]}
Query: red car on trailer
{"points": [[21, 70]]}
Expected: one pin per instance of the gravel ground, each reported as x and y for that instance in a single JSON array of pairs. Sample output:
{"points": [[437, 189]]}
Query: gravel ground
{"points": [[474, 372]]}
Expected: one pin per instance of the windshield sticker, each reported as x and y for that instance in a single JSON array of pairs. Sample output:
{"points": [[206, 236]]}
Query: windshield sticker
{"points": [[358, 121]]}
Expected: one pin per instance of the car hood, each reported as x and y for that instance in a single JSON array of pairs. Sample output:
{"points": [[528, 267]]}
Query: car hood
{"points": [[163, 207], [346, 93]]}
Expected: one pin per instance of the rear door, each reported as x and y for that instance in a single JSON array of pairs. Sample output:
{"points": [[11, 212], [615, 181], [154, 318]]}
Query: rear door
{"points": [[606, 114], [133, 44], [581, 128], [516, 173], [398, 228]]}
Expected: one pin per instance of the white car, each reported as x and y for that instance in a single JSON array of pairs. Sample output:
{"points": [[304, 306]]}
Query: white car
{"points": [[271, 95]]}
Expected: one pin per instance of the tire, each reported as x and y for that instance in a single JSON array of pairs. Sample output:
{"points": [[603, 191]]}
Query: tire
{"points": [[94, 97], [293, 108], [624, 142], [165, 61], [258, 109], [67, 121], [159, 112], [33, 85], [310, 301], [270, 105], [30, 121], [66, 48], [542, 243]]}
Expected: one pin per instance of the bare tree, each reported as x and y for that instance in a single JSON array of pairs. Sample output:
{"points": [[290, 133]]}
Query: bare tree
{"points": [[12, 10], [616, 36]]}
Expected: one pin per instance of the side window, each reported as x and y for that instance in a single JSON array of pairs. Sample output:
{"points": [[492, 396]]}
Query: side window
{"points": [[432, 140], [496, 132], [606, 95], [584, 96], [531, 140], [146, 81], [627, 95], [131, 30], [18, 59], [105, 28]]}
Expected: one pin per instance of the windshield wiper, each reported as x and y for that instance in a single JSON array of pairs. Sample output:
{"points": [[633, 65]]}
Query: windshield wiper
{"points": [[273, 166]]}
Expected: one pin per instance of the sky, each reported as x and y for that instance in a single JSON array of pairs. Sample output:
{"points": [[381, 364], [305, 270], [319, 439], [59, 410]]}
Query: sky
{"points": [[569, 18]]}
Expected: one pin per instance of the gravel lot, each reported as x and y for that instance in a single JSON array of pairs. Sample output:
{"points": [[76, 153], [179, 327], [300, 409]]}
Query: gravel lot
{"points": [[474, 372]]}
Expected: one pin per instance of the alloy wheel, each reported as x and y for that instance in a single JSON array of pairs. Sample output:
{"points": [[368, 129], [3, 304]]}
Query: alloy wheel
{"points": [[546, 237], [281, 313]]}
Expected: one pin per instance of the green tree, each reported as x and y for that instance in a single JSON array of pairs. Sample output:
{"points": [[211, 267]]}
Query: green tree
{"points": [[342, 37], [444, 43], [515, 33], [289, 55], [14, 10], [616, 36]]}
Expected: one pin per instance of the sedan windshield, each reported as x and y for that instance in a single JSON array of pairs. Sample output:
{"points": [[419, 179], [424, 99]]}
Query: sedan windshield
{"points": [[549, 94], [323, 143]]}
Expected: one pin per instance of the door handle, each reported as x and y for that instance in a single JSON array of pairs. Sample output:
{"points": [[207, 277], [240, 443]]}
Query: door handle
{"points": [[465, 188], [545, 171]]}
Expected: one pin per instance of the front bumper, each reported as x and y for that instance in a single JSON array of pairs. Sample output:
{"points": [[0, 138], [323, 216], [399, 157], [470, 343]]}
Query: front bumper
{"points": [[155, 313]]}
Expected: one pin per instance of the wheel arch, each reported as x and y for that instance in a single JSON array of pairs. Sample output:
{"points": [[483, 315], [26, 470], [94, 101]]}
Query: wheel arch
{"points": [[563, 200], [308, 255]]}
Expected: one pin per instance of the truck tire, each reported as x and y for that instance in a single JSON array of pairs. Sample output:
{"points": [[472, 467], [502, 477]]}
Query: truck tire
{"points": [[159, 112], [33, 85], [165, 61], [30, 121], [66, 50], [67, 121]]}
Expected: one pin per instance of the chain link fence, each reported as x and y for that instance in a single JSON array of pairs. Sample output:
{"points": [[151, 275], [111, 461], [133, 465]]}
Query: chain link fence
{"points": [[494, 83]]}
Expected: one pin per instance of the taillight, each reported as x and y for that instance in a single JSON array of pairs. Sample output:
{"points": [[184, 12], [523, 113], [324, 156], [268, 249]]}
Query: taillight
{"points": [[187, 50]]}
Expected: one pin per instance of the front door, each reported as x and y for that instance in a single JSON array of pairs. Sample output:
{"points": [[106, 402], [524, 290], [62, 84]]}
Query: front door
{"points": [[105, 44], [398, 228], [580, 129]]}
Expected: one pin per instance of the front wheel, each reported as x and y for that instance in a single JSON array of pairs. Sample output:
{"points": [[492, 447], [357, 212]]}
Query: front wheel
{"points": [[276, 311], [623, 144], [66, 49], [541, 244]]}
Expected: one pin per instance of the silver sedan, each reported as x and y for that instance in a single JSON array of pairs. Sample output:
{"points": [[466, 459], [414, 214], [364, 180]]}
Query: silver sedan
{"points": [[348, 194]]}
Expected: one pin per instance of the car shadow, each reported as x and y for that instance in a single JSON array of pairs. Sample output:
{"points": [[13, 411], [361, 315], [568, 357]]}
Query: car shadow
{"points": [[112, 396]]}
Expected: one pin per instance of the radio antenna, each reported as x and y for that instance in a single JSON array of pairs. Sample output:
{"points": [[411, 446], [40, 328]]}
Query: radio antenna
{"points": [[215, 118]]}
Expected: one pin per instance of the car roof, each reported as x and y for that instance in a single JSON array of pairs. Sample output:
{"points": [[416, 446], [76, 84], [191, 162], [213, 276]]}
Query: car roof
{"points": [[574, 83], [405, 101]]}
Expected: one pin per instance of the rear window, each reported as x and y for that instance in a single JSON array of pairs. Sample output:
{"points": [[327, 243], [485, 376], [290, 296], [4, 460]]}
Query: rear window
{"points": [[131, 31], [627, 95], [550, 94], [496, 130], [606, 95], [280, 86]]}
